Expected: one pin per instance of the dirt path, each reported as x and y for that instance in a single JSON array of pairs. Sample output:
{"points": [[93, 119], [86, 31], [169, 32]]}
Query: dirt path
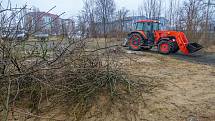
{"points": [[201, 57]]}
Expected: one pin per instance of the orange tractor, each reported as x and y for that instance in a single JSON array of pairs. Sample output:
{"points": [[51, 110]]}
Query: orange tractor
{"points": [[148, 35]]}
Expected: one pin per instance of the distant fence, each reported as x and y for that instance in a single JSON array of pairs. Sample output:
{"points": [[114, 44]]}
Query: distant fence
{"points": [[204, 38]]}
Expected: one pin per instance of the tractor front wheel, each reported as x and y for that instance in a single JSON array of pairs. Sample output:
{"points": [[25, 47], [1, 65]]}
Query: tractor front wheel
{"points": [[174, 47], [135, 41], [164, 47]]}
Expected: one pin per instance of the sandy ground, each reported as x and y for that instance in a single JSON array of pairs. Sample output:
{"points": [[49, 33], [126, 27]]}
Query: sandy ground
{"points": [[186, 90], [183, 90]]}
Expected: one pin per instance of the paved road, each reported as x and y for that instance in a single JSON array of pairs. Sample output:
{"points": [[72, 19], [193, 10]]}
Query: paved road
{"points": [[198, 57]]}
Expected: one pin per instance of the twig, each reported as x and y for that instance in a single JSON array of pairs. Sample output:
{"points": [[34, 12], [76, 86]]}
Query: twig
{"points": [[36, 116]]}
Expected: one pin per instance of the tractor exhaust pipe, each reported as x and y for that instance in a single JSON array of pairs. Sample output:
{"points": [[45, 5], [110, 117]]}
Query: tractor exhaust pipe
{"points": [[193, 47]]}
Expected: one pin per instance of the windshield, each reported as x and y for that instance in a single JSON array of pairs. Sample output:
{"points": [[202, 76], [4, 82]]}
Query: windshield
{"points": [[147, 26], [156, 26]]}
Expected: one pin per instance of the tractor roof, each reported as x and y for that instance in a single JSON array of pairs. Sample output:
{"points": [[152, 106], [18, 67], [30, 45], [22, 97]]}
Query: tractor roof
{"points": [[142, 21]]}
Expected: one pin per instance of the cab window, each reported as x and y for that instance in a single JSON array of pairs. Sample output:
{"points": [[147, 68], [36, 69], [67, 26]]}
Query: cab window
{"points": [[147, 27], [156, 26], [139, 26]]}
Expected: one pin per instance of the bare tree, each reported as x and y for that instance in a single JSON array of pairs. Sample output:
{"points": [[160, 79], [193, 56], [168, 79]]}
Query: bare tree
{"points": [[104, 12], [151, 8], [96, 13], [88, 17], [121, 16], [193, 14], [172, 13]]}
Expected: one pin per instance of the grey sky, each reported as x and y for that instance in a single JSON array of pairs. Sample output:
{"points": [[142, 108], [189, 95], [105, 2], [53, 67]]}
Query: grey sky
{"points": [[71, 7]]}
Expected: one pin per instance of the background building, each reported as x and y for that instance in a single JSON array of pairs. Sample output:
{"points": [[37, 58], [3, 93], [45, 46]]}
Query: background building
{"points": [[42, 22]]}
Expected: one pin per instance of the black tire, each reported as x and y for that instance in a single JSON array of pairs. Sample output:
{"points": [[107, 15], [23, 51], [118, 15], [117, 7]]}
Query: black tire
{"points": [[174, 47], [135, 41], [164, 47]]}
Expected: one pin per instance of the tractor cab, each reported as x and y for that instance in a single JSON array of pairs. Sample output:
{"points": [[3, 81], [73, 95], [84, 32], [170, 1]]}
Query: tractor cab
{"points": [[148, 27]]}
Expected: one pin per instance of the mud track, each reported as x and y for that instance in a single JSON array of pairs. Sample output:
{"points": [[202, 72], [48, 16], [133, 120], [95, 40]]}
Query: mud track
{"points": [[199, 57], [206, 58]]}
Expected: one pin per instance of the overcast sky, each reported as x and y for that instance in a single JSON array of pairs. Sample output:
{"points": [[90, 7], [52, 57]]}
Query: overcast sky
{"points": [[71, 7]]}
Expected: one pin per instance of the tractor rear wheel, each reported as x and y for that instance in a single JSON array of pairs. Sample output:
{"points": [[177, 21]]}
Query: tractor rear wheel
{"points": [[135, 41], [164, 47]]}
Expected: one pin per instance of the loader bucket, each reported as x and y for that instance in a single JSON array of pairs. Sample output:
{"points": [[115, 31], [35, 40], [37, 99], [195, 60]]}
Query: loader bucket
{"points": [[193, 47]]}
